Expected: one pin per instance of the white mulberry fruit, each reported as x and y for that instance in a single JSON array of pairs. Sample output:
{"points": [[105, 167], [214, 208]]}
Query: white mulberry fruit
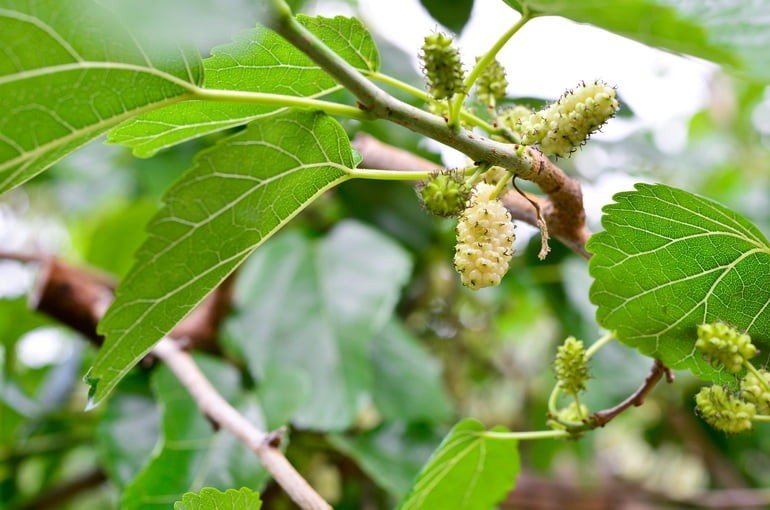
{"points": [[485, 236], [563, 126]]}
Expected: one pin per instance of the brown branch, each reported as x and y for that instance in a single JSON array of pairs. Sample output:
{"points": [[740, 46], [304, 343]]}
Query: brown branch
{"points": [[636, 399], [78, 298], [562, 210], [73, 296]]}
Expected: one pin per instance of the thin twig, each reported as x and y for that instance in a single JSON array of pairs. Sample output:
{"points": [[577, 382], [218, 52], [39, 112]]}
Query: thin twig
{"points": [[636, 399], [542, 225], [213, 405], [78, 298]]}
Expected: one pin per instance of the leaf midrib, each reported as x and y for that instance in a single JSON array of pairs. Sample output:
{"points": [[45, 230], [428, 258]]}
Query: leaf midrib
{"points": [[40, 150], [88, 64], [117, 341]]}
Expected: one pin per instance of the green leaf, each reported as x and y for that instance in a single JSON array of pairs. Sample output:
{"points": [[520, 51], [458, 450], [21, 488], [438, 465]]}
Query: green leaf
{"points": [[407, 379], [237, 194], [212, 499], [312, 309], [191, 454], [281, 392], [258, 61], [392, 454], [468, 471], [107, 239], [453, 14], [669, 260], [69, 73], [725, 31]]}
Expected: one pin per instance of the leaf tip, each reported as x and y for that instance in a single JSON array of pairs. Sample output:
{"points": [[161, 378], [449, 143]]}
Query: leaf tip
{"points": [[93, 391]]}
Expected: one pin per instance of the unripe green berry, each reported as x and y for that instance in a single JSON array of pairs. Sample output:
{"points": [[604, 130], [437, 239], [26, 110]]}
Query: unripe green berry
{"points": [[444, 194], [725, 345], [563, 126], [752, 390], [485, 236], [492, 84], [571, 366], [724, 411], [442, 66]]}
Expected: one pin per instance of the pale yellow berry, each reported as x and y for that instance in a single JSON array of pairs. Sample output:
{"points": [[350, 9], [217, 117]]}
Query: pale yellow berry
{"points": [[566, 124], [485, 236]]}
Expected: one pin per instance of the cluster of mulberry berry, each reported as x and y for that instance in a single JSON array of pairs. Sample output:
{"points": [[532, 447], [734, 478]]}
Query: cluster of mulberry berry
{"points": [[727, 347], [485, 236], [442, 66], [566, 124]]}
